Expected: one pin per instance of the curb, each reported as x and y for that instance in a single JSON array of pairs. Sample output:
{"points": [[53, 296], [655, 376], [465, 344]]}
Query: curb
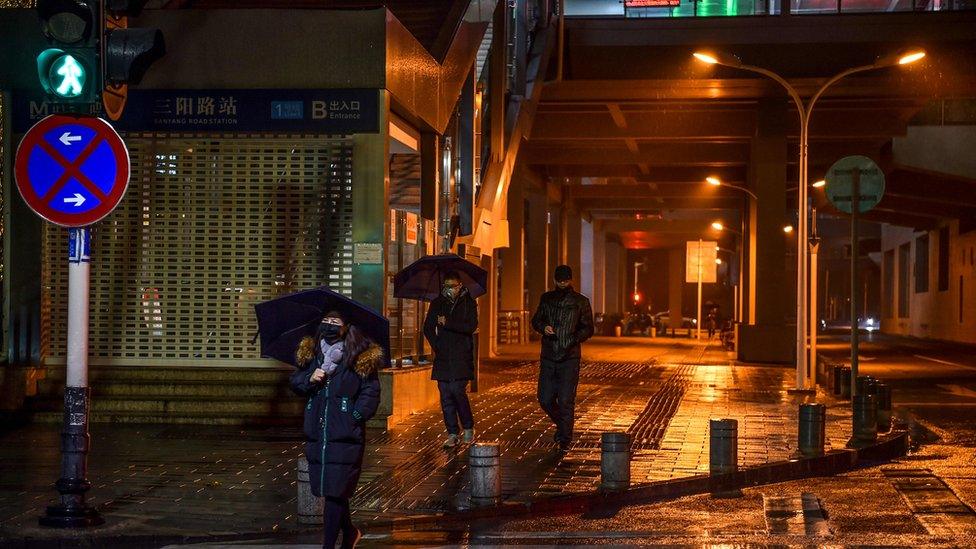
{"points": [[891, 446], [835, 462]]}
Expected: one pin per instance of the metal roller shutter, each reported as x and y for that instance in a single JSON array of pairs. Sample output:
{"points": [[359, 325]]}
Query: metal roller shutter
{"points": [[210, 226]]}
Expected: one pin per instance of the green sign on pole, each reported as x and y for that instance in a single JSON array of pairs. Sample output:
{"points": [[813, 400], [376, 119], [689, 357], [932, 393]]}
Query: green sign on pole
{"points": [[841, 183]]}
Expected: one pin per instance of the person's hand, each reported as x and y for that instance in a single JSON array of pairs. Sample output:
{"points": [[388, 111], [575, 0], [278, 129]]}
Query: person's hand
{"points": [[317, 376], [549, 331], [441, 320]]}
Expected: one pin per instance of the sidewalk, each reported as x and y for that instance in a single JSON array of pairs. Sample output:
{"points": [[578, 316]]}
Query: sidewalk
{"points": [[163, 480]]}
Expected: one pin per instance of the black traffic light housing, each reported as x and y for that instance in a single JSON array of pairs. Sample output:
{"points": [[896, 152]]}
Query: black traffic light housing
{"points": [[69, 68], [128, 53]]}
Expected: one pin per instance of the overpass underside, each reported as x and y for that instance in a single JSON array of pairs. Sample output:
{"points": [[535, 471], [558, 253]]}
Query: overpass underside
{"points": [[629, 126]]}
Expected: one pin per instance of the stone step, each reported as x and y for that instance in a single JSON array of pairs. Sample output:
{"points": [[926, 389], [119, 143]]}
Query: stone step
{"points": [[178, 374], [164, 389], [175, 419], [292, 407]]}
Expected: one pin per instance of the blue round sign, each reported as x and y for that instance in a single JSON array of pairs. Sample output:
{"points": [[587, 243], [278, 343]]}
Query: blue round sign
{"points": [[72, 170]]}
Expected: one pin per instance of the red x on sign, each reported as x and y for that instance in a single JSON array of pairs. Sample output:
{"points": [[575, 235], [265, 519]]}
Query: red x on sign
{"points": [[72, 171]]}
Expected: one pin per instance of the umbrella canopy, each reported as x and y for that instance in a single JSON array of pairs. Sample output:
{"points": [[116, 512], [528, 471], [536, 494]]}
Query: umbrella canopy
{"points": [[285, 320], [423, 278]]}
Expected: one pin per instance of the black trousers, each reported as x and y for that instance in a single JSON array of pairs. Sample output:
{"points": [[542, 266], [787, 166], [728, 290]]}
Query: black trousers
{"points": [[557, 394], [337, 519], [455, 405]]}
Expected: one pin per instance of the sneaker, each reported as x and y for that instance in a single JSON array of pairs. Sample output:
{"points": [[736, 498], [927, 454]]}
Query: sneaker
{"points": [[468, 436], [451, 442], [352, 541], [564, 445]]}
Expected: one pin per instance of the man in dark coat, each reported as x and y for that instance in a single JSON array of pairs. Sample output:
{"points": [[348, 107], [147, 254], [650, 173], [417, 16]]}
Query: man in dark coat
{"points": [[342, 397], [565, 320], [449, 327]]}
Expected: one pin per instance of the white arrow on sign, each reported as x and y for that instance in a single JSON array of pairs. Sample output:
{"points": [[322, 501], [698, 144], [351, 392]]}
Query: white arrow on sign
{"points": [[78, 199], [68, 139]]}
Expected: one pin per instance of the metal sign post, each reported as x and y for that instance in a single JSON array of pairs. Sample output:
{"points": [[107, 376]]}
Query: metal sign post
{"points": [[698, 314], [847, 179], [73, 511], [73, 171]]}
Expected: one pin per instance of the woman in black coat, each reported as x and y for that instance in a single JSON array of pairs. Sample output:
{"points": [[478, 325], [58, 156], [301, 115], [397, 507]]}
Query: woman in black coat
{"points": [[339, 377]]}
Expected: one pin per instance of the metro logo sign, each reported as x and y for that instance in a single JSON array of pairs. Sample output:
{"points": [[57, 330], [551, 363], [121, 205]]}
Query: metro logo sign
{"points": [[652, 3]]}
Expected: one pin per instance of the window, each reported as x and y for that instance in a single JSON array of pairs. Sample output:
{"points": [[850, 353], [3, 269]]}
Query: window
{"points": [[944, 259], [922, 264], [888, 267], [904, 251]]}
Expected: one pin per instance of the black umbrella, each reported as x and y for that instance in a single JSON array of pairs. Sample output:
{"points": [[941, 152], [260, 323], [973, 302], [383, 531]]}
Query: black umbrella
{"points": [[423, 278], [285, 320]]}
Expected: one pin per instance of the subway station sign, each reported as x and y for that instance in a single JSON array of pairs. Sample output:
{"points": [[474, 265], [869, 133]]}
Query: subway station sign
{"points": [[340, 111]]}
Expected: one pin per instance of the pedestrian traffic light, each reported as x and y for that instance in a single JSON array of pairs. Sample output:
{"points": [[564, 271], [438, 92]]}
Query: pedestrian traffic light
{"points": [[126, 53], [68, 69]]}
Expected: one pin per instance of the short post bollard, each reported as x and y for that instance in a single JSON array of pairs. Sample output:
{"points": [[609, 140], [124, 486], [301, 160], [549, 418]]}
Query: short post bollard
{"points": [[615, 461], [812, 429], [845, 382], [838, 374], [865, 385], [486, 480], [864, 419], [882, 391], [723, 446], [309, 506]]}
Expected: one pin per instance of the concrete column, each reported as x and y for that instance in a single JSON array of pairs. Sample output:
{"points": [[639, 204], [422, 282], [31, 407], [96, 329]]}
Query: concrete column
{"points": [[676, 284], [571, 241], [488, 312], [770, 298], [370, 209], [599, 268], [555, 241], [512, 258], [613, 277], [535, 227]]}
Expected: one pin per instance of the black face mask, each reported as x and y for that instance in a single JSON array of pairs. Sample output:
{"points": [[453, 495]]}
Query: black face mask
{"points": [[331, 333]]}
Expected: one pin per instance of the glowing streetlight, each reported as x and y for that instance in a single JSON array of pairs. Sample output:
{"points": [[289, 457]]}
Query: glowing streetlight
{"points": [[788, 229], [718, 261], [819, 184], [715, 181], [804, 374], [718, 226]]}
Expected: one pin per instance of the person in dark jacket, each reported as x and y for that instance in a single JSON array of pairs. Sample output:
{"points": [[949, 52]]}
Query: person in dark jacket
{"points": [[565, 320], [339, 378], [449, 327]]}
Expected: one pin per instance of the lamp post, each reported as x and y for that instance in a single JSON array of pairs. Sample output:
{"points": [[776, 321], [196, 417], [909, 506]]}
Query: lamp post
{"points": [[803, 372], [739, 307]]}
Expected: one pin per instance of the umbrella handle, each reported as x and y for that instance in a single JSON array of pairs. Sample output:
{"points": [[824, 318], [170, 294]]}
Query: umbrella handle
{"points": [[255, 338]]}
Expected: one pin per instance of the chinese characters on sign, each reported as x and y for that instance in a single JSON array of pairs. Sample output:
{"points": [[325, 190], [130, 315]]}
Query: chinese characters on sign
{"points": [[342, 111], [701, 255], [652, 3]]}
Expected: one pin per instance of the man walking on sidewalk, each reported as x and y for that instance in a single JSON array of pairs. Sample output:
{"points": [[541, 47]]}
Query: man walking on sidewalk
{"points": [[565, 320], [449, 327]]}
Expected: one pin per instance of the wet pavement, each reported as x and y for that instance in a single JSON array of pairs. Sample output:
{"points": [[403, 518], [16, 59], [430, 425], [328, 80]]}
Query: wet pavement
{"points": [[190, 480]]}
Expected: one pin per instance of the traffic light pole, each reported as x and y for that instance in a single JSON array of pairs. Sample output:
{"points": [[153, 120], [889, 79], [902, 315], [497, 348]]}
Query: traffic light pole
{"points": [[73, 511]]}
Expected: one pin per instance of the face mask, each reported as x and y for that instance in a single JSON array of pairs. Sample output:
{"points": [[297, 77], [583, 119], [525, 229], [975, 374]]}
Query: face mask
{"points": [[450, 292], [331, 333]]}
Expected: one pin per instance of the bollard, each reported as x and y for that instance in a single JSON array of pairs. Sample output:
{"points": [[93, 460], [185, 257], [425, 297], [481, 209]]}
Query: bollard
{"points": [[618, 331], [883, 396], [615, 461], [845, 382], [812, 429], [838, 374], [723, 449], [486, 480], [864, 418], [309, 506], [865, 385]]}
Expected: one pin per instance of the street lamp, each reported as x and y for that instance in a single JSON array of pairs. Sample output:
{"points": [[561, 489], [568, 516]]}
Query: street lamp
{"points": [[803, 373], [788, 229], [636, 293], [712, 180]]}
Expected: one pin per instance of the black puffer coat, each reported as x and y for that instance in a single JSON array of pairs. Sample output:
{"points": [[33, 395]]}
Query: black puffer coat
{"points": [[570, 315], [335, 420], [453, 343]]}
